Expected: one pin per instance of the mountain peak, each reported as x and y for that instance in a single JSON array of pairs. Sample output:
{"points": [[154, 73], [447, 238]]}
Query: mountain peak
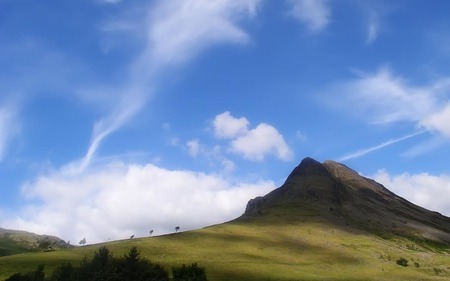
{"points": [[334, 192], [307, 166]]}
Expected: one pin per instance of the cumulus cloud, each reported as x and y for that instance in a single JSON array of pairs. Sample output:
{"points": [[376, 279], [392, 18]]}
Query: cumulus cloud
{"points": [[119, 200], [227, 126], [261, 141], [314, 13], [253, 144], [422, 189]]}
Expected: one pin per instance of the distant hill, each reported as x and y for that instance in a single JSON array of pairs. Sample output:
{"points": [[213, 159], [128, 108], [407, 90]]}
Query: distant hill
{"points": [[326, 222], [15, 242]]}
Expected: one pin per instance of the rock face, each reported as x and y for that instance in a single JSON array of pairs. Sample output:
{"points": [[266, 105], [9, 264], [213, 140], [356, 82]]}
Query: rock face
{"points": [[341, 196]]}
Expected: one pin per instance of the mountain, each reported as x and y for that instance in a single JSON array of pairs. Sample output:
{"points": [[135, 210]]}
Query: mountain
{"points": [[342, 197], [16, 241]]}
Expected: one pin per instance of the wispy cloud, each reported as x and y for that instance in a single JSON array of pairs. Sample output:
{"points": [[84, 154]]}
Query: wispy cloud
{"points": [[372, 29], [384, 98], [315, 14], [193, 25], [365, 151], [9, 126]]}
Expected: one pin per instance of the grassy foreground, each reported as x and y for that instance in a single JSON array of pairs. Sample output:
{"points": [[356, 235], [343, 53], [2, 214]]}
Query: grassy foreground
{"points": [[268, 250]]}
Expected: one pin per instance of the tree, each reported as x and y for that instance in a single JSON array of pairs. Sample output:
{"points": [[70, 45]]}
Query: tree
{"points": [[37, 275], [105, 267], [192, 272], [63, 273], [82, 241], [177, 228]]}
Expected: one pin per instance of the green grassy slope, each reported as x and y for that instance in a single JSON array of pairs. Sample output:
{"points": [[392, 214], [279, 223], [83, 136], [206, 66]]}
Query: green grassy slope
{"points": [[270, 248], [8, 247], [14, 242]]}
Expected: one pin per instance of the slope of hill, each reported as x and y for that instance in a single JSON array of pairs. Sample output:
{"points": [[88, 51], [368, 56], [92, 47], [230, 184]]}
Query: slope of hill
{"points": [[325, 223], [15, 242]]}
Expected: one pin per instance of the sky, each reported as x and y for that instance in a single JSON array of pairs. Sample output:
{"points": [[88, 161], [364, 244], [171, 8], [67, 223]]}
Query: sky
{"points": [[118, 117]]}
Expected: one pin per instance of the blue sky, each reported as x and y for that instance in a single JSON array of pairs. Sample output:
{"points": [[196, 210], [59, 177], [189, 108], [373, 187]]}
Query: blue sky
{"points": [[118, 117]]}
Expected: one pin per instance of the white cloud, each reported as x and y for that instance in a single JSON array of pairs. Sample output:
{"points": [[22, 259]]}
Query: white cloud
{"points": [[261, 141], [181, 28], [365, 151], [117, 201], [440, 121], [253, 144], [112, 1], [227, 126], [314, 13], [175, 32], [372, 30], [193, 147], [422, 189], [385, 98]]}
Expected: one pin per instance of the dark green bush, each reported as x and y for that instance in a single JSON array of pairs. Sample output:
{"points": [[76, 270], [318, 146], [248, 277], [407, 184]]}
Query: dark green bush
{"points": [[105, 267], [402, 262], [189, 273]]}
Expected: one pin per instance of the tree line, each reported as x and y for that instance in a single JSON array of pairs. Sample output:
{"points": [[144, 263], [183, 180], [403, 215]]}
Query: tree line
{"points": [[105, 267]]}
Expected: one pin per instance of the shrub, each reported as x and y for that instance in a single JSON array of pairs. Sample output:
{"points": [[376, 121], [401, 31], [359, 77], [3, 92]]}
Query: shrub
{"points": [[105, 267], [402, 262], [189, 273]]}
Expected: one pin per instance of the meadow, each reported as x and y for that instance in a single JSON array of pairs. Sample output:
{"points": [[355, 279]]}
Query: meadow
{"points": [[269, 248]]}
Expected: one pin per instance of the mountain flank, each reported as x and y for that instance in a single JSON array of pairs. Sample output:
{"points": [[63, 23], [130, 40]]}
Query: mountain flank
{"points": [[339, 195]]}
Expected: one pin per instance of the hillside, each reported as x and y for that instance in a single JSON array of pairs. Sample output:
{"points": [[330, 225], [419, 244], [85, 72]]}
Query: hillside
{"points": [[325, 223], [16, 242]]}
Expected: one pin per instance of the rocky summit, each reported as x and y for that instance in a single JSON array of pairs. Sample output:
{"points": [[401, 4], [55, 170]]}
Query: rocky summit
{"points": [[335, 193]]}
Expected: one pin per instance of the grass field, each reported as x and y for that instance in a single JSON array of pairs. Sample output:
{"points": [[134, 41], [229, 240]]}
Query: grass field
{"points": [[268, 249]]}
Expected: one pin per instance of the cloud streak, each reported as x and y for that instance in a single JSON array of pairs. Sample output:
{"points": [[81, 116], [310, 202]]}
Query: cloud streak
{"points": [[8, 126], [193, 25], [384, 98], [365, 151]]}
